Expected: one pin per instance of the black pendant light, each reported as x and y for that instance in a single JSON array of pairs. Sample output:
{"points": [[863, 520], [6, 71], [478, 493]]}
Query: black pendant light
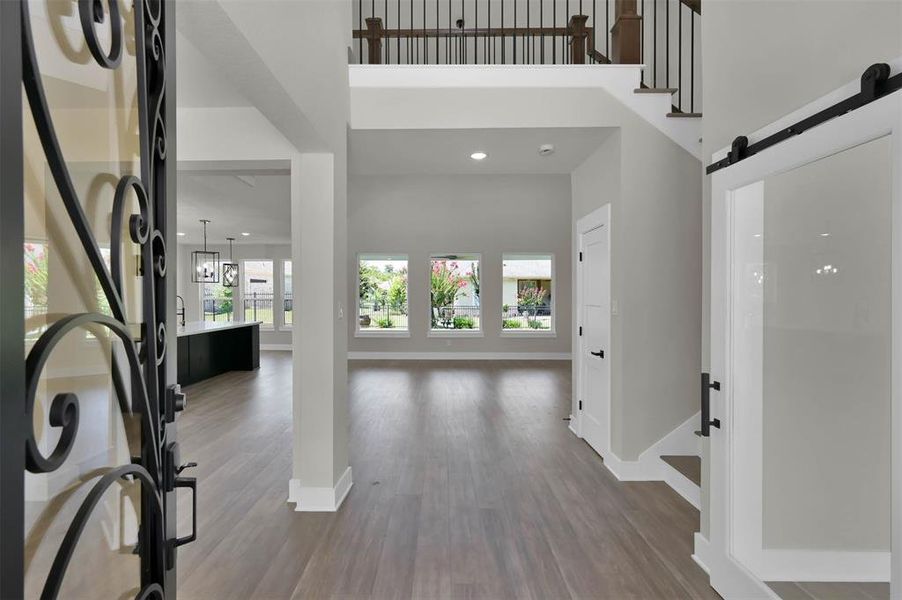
{"points": [[206, 263], [230, 269]]}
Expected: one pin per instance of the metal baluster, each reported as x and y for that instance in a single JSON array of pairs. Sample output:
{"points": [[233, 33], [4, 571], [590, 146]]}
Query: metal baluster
{"points": [[360, 27], [398, 28], [680, 53], [667, 43], [654, 41], [692, 63]]}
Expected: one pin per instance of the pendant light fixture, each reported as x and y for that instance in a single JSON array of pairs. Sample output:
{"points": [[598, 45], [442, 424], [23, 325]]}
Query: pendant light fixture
{"points": [[206, 263], [230, 269]]}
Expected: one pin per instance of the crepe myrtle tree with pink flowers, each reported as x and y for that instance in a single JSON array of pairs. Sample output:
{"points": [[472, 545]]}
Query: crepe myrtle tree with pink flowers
{"points": [[447, 283]]}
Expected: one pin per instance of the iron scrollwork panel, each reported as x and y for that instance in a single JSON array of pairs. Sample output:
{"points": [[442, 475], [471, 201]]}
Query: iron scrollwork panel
{"points": [[150, 399]]}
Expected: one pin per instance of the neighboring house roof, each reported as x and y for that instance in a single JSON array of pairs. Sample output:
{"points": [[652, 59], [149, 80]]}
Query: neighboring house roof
{"points": [[527, 269]]}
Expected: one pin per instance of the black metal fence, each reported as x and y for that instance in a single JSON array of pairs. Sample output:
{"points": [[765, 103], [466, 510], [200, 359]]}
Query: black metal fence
{"points": [[259, 307], [382, 316], [526, 317], [456, 317]]}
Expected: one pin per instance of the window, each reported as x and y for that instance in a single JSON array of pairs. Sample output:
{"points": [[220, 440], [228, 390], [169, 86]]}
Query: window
{"points": [[36, 279], [257, 291], [526, 294], [287, 297], [454, 294], [382, 295], [218, 300]]}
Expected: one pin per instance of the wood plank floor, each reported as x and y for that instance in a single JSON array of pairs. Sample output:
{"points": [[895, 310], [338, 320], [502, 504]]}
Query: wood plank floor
{"points": [[467, 484]]}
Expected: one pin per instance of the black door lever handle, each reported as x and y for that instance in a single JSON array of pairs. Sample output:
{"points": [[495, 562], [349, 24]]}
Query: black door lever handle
{"points": [[599, 354]]}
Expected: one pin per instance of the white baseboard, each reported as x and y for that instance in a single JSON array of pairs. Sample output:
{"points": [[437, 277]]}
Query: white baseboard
{"points": [[573, 426], [682, 486], [279, 347], [320, 499], [458, 356], [822, 565], [701, 554], [649, 466]]}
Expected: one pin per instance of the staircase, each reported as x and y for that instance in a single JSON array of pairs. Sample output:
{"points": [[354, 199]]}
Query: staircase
{"points": [[661, 35], [684, 474]]}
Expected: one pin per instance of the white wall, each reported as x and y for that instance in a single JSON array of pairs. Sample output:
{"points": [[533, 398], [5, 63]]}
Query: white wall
{"points": [[419, 215], [812, 47], [655, 233], [656, 223]]}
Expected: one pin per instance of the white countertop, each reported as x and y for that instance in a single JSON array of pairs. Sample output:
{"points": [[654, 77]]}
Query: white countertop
{"points": [[195, 327]]}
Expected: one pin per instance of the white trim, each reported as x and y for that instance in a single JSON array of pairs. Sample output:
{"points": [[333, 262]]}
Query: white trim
{"points": [[279, 347], [682, 485], [320, 499], [574, 430], [528, 334], [649, 466], [457, 333], [702, 551], [381, 333], [459, 356], [825, 565]]}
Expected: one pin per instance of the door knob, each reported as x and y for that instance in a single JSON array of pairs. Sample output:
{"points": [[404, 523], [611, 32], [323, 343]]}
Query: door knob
{"points": [[599, 354]]}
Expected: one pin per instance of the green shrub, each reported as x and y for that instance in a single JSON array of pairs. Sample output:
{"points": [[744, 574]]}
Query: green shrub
{"points": [[536, 325], [385, 323], [511, 324], [464, 323], [505, 308]]}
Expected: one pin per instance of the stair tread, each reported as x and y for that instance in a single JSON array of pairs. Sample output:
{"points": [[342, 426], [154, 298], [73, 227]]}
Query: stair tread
{"points": [[679, 115], [689, 466], [648, 90]]}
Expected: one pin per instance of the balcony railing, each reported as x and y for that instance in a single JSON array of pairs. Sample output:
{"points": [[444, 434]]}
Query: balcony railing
{"points": [[661, 34]]}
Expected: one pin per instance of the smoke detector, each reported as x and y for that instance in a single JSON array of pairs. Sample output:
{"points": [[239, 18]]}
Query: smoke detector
{"points": [[546, 149]]}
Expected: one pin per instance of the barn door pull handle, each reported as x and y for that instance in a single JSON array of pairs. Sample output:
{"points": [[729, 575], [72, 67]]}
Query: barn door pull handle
{"points": [[599, 354], [707, 421]]}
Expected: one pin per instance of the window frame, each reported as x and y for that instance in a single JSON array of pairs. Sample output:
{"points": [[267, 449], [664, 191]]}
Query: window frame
{"points": [[283, 326], [552, 299], [454, 333], [378, 333], [242, 291]]}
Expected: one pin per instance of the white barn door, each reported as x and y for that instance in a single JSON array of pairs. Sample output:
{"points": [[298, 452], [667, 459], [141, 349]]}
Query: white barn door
{"points": [[806, 344]]}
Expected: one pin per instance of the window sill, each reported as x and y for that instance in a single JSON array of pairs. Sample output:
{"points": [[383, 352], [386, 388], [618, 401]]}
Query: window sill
{"points": [[528, 333], [456, 333], [387, 333]]}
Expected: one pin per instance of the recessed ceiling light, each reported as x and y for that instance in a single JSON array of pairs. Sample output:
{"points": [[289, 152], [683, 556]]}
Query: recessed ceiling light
{"points": [[480, 155], [245, 234], [825, 234], [546, 149], [180, 234]]}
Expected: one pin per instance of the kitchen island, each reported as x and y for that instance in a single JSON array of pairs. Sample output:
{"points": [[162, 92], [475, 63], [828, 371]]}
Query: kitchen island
{"points": [[209, 348]]}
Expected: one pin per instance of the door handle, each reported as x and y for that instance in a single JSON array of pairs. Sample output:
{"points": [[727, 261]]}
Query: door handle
{"points": [[599, 354], [707, 421]]}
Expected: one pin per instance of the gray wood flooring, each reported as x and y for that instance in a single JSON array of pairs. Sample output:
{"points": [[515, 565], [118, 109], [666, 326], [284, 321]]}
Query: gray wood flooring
{"points": [[467, 484]]}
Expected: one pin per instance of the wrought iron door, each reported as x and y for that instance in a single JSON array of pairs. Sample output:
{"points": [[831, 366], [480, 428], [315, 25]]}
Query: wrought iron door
{"points": [[138, 32]]}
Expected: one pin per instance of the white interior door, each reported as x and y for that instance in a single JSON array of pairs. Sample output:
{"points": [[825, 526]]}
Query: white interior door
{"points": [[806, 319], [595, 302]]}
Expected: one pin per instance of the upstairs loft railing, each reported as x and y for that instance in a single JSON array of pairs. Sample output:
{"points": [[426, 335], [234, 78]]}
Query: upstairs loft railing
{"points": [[661, 34]]}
